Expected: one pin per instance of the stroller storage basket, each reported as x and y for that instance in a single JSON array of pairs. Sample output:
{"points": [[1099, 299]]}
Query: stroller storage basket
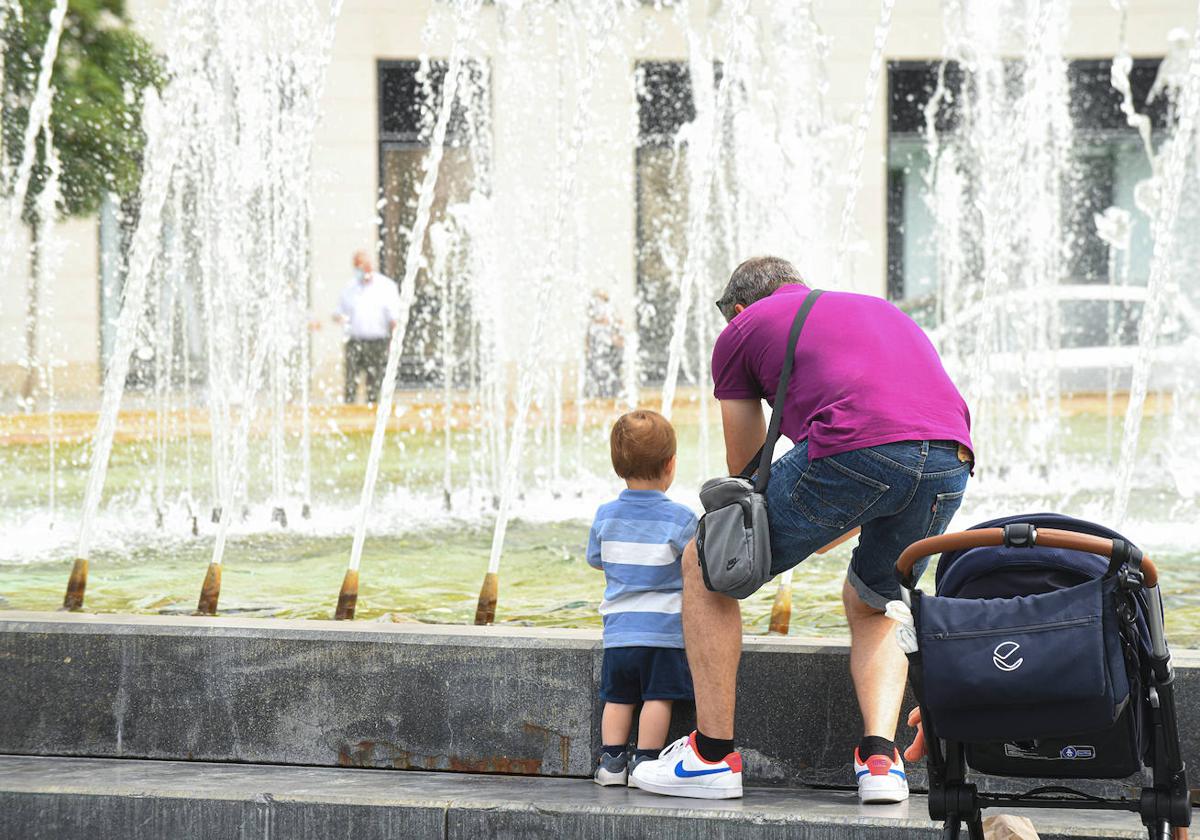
{"points": [[1109, 753], [1027, 667]]}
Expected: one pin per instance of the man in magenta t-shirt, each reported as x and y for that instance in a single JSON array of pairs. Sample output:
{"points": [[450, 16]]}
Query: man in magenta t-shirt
{"points": [[882, 442]]}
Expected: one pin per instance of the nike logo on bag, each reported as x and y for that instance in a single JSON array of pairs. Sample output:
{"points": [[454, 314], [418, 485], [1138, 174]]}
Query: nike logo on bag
{"points": [[684, 774], [731, 564]]}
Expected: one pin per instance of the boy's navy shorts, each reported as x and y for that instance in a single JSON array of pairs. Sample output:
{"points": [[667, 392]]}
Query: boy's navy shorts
{"points": [[636, 674]]}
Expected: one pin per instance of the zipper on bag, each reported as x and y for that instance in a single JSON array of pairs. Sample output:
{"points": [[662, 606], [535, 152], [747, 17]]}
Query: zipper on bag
{"points": [[1008, 631]]}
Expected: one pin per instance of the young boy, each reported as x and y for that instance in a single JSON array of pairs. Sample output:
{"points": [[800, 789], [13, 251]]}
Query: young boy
{"points": [[638, 541]]}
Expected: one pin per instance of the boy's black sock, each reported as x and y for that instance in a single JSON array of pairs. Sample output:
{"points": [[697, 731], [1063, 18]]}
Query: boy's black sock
{"points": [[651, 754], [873, 745], [613, 751], [713, 749]]}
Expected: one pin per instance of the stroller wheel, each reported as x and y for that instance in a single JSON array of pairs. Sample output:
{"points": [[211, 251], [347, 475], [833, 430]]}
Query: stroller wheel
{"points": [[1163, 830], [952, 828]]}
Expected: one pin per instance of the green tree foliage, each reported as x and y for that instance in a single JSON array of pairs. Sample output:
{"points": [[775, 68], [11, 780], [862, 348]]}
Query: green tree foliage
{"points": [[99, 79]]}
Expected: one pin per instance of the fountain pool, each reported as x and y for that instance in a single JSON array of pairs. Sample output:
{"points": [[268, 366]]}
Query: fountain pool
{"points": [[425, 561]]}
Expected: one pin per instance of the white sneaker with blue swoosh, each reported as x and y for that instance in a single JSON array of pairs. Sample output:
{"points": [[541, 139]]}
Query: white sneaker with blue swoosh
{"points": [[680, 771], [880, 779]]}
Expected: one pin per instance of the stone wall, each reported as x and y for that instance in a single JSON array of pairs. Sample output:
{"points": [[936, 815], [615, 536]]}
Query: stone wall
{"points": [[488, 700]]}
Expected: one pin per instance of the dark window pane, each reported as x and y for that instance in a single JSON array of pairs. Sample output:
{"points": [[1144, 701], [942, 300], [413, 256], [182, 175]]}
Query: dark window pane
{"points": [[665, 104], [1096, 104], [664, 96], [1106, 163], [911, 84], [895, 234], [1094, 171], [408, 104], [402, 106], [407, 112]]}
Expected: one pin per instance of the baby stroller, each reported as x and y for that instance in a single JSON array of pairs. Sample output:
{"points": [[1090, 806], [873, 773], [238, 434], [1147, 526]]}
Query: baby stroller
{"points": [[1042, 655]]}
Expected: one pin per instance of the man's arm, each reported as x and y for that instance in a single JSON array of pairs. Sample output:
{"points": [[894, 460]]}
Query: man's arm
{"points": [[393, 306], [342, 314], [745, 431]]}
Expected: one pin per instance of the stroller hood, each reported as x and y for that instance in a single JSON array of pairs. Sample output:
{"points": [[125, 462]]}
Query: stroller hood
{"points": [[957, 569]]}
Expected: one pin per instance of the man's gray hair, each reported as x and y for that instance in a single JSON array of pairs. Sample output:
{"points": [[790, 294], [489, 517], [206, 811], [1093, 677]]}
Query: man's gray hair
{"points": [[755, 279]]}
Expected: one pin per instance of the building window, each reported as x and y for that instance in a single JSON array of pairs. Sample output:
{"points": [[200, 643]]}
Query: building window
{"points": [[665, 104], [409, 101], [169, 348], [1106, 163], [664, 100]]}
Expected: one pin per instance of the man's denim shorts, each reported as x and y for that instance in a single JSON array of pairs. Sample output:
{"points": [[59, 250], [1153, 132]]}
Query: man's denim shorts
{"points": [[897, 492]]}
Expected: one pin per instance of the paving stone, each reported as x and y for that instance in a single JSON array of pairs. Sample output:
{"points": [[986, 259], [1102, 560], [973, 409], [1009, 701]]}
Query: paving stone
{"points": [[128, 799]]}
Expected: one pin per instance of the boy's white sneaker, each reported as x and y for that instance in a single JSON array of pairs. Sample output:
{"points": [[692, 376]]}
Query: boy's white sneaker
{"points": [[680, 771], [881, 780]]}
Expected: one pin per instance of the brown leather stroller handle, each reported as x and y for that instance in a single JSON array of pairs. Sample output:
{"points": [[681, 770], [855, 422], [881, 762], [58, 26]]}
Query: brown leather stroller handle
{"points": [[957, 541], [1048, 537]]}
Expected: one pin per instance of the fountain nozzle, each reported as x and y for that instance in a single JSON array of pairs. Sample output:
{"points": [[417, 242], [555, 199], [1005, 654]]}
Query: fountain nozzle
{"points": [[485, 610], [76, 585], [210, 592], [348, 597], [781, 610]]}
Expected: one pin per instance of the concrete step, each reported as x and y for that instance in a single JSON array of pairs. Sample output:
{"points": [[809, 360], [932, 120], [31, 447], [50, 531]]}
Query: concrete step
{"points": [[123, 799], [364, 694]]}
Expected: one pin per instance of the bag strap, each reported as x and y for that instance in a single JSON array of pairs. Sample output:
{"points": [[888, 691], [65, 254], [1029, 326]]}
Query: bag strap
{"points": [[763, 459]]}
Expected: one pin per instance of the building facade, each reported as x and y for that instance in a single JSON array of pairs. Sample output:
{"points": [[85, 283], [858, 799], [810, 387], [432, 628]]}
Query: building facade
{"points": [[370, 146]]}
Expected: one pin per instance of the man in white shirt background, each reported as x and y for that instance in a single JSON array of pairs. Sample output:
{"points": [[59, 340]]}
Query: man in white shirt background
{"points": [[368, 309]]}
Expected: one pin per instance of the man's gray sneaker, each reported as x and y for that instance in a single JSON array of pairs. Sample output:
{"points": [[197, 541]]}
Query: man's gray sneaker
{"points": [[613, 769]]}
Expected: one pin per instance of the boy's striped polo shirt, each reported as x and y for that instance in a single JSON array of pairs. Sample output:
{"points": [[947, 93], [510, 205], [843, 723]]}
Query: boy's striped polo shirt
{"points": [[638, 540]]}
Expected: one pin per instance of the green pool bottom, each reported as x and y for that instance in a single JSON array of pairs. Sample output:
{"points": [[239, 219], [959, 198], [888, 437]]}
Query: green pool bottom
{"points": [[434, 577]]}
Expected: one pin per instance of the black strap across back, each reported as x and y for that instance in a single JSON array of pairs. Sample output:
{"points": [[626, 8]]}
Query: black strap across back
{"points": [[761, 463]]}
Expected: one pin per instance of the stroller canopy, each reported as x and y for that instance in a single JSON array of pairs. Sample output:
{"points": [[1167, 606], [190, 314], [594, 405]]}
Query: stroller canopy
{"points": [[966, 569]]}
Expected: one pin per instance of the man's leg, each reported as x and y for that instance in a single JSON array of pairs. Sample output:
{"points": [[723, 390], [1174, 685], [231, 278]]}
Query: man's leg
{"points": [[351, 391], [376, 361], [877, 665], [712, 633]]}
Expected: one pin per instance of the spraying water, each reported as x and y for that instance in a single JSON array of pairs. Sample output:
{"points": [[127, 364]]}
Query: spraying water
{"points": [[466, 16], [999, 198], [531, 242], [603, 22], [47, 270], [39, 116], [1170, 183], [702, 144], [162, 148], [862, 123]]}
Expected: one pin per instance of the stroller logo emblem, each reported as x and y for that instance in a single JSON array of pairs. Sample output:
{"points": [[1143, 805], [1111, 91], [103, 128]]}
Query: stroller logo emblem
{"points": [[1003, 656], [1077, 753]]}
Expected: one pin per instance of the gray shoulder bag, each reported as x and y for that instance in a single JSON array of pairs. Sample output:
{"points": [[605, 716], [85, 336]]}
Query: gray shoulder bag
{"points": [[734, 539]]}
